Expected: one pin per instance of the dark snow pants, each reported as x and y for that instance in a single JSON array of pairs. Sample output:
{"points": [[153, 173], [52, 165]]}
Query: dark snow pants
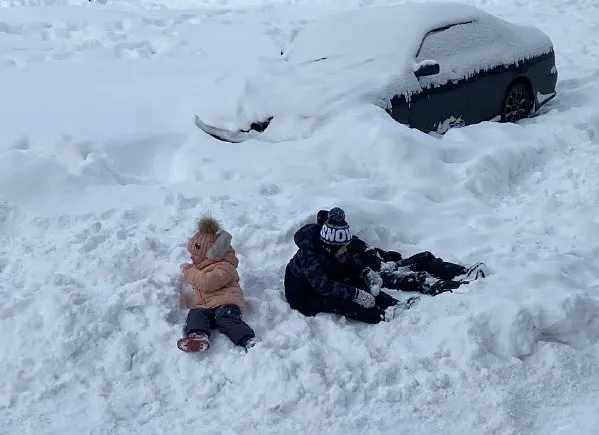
{"points": [[414, 278], [225, 318], [309, 303], [434, 266]]}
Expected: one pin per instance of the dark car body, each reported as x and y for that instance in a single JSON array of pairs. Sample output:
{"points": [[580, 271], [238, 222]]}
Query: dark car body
{"points": [[477, 97]]}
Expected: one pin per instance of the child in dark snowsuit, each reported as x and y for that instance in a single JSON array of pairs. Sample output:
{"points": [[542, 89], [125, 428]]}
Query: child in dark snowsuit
{"points": [[321, 278], [423, 272], [211, 290]]}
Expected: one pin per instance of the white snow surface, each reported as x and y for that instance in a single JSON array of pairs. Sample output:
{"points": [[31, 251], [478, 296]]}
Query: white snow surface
{"points": [[103, 175]]}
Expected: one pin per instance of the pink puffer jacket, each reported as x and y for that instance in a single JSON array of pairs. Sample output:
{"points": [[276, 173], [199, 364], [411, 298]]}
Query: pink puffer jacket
{"points": [[215, 283]]}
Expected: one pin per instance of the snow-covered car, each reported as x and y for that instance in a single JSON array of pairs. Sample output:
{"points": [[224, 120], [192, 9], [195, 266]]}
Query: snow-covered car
{"points": [[431, 66]]}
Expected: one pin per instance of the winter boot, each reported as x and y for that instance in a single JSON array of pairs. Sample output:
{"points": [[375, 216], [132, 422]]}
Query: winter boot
{"points": [[194, 342], [442, 286], [477, 271], [248, 342], [395, 310]]}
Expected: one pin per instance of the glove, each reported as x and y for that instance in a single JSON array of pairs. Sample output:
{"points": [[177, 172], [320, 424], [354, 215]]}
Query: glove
{"points": [[364, 299], [373, 279]]}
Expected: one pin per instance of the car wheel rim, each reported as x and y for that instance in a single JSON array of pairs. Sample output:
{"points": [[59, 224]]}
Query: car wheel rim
{"points": [[517, 105]]}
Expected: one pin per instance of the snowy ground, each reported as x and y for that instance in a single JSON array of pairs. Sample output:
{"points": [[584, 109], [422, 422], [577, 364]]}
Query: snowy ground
{"points": [[102, 177]]}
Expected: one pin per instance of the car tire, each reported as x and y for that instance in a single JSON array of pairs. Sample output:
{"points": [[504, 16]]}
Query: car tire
{"points": [[518, 102]]}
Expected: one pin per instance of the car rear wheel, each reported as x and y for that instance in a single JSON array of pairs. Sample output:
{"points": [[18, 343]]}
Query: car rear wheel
{"points": [[518, 102]]}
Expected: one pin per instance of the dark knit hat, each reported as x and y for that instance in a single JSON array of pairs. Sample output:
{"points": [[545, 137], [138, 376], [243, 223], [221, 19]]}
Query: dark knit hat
{"points": [[335, 231]]}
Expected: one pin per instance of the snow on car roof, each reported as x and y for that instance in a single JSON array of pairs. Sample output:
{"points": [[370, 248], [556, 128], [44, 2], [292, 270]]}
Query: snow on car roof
{"points": [[387, 38], [375, 32]]}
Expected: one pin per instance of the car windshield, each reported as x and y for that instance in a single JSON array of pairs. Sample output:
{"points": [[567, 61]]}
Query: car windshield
{"points": [[388, 34], [358, 37]]}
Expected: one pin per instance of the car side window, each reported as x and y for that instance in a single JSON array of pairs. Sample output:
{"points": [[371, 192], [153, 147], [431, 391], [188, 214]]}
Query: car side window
{"points": [[442, 43], [464, 42]]}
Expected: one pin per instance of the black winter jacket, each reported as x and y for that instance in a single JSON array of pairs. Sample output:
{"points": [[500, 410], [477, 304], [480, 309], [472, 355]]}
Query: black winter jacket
{"points": [[313, 269]]}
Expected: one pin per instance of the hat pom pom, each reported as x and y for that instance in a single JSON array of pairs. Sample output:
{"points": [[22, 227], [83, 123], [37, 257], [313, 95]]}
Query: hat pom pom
{"points": [[208, 225], [337, 215]]}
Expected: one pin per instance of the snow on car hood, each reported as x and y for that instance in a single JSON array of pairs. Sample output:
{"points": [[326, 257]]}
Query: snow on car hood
{"points": [[319, 87]]}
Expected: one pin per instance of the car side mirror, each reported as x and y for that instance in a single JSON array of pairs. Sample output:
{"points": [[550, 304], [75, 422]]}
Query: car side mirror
{"points": [[427, 68]]}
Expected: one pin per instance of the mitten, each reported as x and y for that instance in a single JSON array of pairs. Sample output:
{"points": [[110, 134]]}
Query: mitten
{"points": [[322, 216], [364, 298], [373, 279]]}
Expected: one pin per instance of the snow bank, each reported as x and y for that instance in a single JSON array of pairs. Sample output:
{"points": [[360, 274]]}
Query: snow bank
{"points": [[98, 196]]}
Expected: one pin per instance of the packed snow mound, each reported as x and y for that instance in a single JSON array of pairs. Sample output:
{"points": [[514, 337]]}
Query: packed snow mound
{"points": [[102, 179]]}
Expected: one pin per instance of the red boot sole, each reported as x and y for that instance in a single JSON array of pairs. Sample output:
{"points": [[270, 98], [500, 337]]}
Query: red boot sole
{"points": [[193, 344]]}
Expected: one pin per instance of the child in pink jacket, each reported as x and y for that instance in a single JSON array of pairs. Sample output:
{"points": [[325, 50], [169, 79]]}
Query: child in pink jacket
{"points": [[211, 290]]}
